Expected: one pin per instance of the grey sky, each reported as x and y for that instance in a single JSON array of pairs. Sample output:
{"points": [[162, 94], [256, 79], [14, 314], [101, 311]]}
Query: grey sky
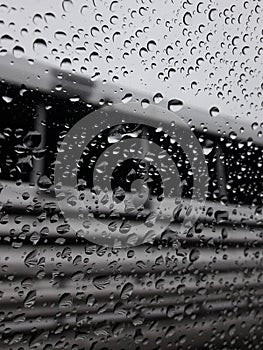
{"points": [[205, 53]]}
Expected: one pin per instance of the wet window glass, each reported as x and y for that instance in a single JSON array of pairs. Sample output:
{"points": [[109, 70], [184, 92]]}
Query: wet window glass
{"points": [[131, 175]]}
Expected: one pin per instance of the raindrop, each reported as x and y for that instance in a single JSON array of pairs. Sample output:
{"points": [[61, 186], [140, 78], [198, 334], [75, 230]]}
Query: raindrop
{"points": [[143, 51], [127, 291], [31, 259], [30, 299], [39, 45], [23, 31], [101, 282], [194, 254], [44, 182], [74, 99], [208, 147], [214, 111], [37, 19], [67, 5], [65, 300], [18, 51], [49, 16], [221, 216], [84, 10], [115, 35], [94, 31], [6, 39], [175, 105], [114, 137], [233, 135], [32, 139], [59, 35], [145, 103], [63, 228], [151, 45], [65, 63], [93, 55], [7, 99], [113, 5], [157, 98], [211, 14], [187, 18], [127, 98]]}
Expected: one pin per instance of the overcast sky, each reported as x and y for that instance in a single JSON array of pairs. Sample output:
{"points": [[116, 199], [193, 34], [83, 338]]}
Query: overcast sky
{"points": [[205, 53]]}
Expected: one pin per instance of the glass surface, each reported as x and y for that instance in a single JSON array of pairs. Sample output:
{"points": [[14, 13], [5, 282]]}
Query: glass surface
{"points": [[131, 175]]}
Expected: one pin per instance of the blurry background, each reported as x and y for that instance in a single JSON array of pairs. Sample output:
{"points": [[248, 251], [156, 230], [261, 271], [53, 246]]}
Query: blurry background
{"points": [[200, 290]]}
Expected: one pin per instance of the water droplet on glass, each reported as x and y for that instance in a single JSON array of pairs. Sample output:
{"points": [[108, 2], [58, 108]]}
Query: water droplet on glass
{"points": [[127, 98], [126, 291], [101, 282], [39, 46], [157, 98], [18, 51], [214, 111], [30, 299], [175, 105], [145, 103], [7, 99], [65, 301], [44, 182], [187, 18], [32, 139]]}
